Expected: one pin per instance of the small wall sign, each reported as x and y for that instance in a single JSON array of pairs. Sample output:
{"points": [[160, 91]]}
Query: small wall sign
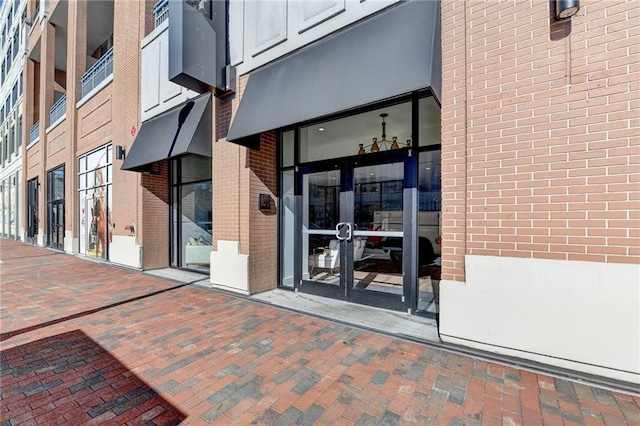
{"points": [[264, 202]]}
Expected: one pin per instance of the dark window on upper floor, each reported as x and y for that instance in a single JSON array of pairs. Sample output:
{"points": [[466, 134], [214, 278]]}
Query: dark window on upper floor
{"points": [[102, 49], [4, 148], [16, 43], [19, 133], [12, 139]]}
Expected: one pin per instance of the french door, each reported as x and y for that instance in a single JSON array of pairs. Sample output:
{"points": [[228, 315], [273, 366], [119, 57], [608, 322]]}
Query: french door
{"points": [[352, 231], [55, 208], [56, 225], [32, 210]]}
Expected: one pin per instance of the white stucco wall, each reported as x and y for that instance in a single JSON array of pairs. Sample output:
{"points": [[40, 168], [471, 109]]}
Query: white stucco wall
{"points": [[579, 315], [125, 250]]}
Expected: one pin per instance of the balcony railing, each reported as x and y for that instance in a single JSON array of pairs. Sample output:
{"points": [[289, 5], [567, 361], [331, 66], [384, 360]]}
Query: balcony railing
{"points": [[98, 72], [58, 109], [34, 133], [161, 11]]}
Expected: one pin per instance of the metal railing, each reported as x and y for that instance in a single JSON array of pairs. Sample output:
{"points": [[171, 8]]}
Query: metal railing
{"points": [[98, 72], [58, 109], [161, 11], [34, 133]]}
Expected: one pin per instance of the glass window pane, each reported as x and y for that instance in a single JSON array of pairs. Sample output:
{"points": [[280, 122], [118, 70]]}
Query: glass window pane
{"points": [[321, 192], [430, 128], [288, 152], [196, 223], [99, 178], [378, 190], [55, 184], [343, 137], [429, 201], [97, 159], [287, 217], [430, 198]]}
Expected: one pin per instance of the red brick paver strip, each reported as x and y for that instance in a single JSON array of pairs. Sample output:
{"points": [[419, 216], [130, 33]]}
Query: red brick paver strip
{"points": [[89, 343]]}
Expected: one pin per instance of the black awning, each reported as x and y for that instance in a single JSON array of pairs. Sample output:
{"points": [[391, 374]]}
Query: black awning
{"points": [[390, 54], [185, 129]]}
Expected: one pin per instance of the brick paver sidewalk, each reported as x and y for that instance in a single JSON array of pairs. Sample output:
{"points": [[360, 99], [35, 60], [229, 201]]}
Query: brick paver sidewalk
{"points": [[86, 343]]}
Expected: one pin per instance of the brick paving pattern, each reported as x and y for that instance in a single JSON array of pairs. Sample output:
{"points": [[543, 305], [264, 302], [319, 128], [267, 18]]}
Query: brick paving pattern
{"points": [[88, 343]]}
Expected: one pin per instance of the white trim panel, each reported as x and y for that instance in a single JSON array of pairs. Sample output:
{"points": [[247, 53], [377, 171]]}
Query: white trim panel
{"points": [[579, 315], [229, 268], [124, 250]]}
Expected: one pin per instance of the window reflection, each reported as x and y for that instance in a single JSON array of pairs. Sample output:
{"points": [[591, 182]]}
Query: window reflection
{"points": [[192, 218]]}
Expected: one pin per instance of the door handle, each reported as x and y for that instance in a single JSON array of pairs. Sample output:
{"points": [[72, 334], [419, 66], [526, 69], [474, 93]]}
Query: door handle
{"points": [[339, 227]]}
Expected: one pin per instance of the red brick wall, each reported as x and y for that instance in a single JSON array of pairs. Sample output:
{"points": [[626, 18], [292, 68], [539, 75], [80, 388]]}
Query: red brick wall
{"points": [[263, 223], [154, 223], [106, 118], [138, 199], [541, 155], [239, 175], [230, 214]]}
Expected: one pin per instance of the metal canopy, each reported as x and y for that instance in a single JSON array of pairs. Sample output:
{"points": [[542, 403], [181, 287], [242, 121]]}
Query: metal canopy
{"points": [[390, 54], [185, 129]]}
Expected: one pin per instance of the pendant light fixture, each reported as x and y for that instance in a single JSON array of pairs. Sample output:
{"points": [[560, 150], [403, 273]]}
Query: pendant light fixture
{"points": [[382, 144]]}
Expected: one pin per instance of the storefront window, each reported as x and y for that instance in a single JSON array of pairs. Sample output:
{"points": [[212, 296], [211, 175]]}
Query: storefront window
{"points": [[4, 219], [429, 231], [346, 137], [288, 229], [94, 188], [191, 213], [14, 193], [430, 128], [359, 183], [288, 151]]}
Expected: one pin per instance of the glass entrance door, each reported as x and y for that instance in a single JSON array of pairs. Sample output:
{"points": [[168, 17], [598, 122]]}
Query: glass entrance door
{"points": [[55, 209], [378, 237], [321, 243], [32, 210], [352, 232], [56, 224]]}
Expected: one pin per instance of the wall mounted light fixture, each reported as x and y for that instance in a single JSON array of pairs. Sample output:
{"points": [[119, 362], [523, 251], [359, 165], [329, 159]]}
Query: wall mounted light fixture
{"points": [[120, 152], [567, 8]]}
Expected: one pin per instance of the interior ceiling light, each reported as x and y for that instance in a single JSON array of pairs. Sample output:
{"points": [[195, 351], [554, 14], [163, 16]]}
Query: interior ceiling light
{"points": [[383, 144]]}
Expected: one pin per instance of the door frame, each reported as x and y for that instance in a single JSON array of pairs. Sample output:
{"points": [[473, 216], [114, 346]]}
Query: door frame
{"points": [[345, 290], [59, 205], [33, 186]]}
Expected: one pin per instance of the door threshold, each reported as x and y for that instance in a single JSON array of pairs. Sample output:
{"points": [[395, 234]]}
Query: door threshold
{"points": [[368, 317]]}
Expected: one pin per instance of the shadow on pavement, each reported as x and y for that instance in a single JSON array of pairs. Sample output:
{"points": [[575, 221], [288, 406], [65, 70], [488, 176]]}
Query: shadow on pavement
{"points": [[71, 379]]}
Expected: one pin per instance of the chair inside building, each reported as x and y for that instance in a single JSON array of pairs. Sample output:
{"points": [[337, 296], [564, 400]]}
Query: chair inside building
{"points": [[329, 257]]}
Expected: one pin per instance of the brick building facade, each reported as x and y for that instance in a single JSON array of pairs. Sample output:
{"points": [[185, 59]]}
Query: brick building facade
{"points": [[499, 174]]}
